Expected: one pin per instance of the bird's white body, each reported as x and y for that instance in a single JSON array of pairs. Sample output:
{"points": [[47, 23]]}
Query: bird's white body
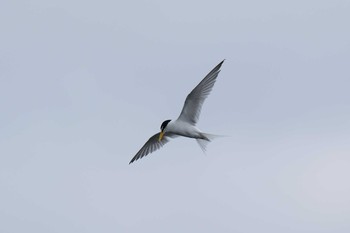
{"points": [[185, 129]]}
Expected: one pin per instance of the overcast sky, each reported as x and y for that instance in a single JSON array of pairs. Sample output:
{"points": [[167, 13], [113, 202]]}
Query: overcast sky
{"points": [[83, 85]]}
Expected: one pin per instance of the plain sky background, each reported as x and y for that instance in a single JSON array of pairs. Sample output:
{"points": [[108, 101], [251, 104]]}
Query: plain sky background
{"points": [[83, 85]]}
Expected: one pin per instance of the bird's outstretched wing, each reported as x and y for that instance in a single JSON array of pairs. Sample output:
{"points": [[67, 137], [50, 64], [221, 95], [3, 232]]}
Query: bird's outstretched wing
{"points": [[152, 144], [194, 101]]}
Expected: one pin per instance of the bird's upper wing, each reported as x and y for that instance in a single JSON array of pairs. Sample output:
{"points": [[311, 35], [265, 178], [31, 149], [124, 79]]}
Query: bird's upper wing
{"points": [[152, 144], [194, 101]]}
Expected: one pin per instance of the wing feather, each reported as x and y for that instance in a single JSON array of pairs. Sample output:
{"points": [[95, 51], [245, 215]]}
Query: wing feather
{"points": [[194, 101], [152, 145]]}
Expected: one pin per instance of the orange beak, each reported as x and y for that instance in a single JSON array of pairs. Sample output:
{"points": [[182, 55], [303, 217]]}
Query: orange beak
{"points": [[161, 134]]}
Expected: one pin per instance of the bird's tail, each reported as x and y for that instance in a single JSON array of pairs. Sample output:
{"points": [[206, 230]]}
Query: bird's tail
{"points": [[203, 142]]}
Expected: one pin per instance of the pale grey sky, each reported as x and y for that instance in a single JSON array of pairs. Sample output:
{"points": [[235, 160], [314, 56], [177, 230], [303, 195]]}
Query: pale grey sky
{"points": [[83, 84]]}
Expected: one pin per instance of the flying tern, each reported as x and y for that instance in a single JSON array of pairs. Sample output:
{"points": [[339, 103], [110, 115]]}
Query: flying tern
{"points": [[185, 124]]}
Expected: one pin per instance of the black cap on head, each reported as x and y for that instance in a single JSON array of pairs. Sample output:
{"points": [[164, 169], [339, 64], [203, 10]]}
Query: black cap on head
{"points": [[164, 124]]}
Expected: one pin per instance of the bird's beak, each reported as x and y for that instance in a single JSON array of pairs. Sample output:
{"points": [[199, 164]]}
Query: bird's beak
{"points": [[161, 134]]}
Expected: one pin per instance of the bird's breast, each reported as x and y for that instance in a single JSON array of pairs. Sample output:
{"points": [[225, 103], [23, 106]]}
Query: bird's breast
{"points": [[183, 129]]}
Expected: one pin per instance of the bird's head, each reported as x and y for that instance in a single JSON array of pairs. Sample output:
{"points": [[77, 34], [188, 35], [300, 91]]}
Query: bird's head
{"points": [[163, 129]]}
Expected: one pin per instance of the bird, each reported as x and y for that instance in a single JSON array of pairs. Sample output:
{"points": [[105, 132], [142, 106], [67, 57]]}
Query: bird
{"points": [[185, 124]]}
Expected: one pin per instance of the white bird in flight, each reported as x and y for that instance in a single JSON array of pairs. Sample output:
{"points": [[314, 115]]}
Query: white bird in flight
{"points": [[185, 124]]}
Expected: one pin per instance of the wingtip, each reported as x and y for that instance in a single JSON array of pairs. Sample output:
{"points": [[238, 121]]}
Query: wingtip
{"points": [[219, 65]]}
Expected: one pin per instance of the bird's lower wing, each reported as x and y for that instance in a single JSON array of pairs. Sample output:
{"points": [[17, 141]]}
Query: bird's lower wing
{"points": [[152, 145]]}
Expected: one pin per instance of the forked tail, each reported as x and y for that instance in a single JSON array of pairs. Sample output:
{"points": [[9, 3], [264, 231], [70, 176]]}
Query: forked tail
{"points": [[206, 139]]}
